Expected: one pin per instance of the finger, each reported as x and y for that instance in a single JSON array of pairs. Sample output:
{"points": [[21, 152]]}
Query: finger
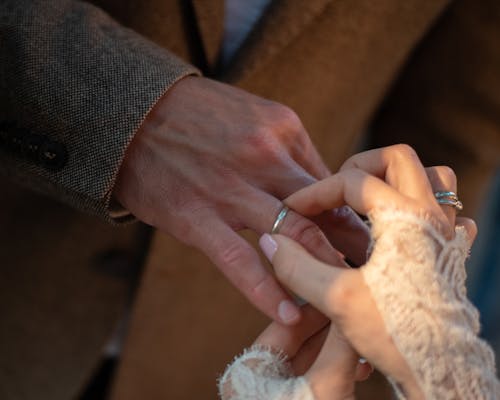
{"points": [[261, 218], [353, 187], [343, 228], [241, 264], [397, 165], [292, 263], [311, 236], [443, 179], [308, 158], [290, 339], [300, 147], [347, 232], [363, 371], [309, 351], [334, 371], [470, 227]]}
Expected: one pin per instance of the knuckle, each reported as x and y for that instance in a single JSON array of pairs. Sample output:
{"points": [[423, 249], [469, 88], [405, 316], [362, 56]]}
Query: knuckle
{"points": [[269, 138], [348, 164], [181, 227], [285, 122], [288, 117], [262, 143], [183, 224], [236, 254], [447, 175], [403, 151], [183, 231]]}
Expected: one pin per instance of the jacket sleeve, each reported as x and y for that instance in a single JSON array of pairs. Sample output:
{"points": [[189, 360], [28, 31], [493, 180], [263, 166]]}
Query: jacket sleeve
{"points": [[74, 88]]}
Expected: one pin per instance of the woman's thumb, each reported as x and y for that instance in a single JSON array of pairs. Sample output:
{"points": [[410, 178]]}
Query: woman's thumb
{"points": [[299, 271]]}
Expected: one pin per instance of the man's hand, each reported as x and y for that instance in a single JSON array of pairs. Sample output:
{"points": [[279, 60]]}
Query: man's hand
{"points": [[210, 160]]}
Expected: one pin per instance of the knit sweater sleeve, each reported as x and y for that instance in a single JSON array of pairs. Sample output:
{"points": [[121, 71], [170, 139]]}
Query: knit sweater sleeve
{"points": [[417, 279], [261, 373]]}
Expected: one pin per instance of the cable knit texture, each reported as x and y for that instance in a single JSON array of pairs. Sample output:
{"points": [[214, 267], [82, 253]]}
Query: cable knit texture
{"points": [[417, 278]]}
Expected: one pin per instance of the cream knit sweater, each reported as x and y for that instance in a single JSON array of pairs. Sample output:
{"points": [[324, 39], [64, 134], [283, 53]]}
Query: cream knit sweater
{"points": [[417, 279]]}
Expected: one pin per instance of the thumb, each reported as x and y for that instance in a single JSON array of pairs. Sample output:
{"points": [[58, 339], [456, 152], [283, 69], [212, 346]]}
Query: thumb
{"points": [[299, 271]]}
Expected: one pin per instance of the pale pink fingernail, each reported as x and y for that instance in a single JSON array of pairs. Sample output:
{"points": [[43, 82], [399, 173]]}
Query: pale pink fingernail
{"points": [[268, 245], [288, 311]]}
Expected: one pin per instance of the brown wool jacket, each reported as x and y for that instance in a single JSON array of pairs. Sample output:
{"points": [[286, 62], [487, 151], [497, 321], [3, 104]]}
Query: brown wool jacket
{"points": [[76, 80]]}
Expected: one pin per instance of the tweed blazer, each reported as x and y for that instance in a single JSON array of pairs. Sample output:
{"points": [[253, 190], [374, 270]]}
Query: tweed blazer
{"points": [[76, 81]]}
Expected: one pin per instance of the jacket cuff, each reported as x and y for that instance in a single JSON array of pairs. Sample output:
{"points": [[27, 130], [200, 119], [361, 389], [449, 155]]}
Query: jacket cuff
{"points": [[77, 88]]}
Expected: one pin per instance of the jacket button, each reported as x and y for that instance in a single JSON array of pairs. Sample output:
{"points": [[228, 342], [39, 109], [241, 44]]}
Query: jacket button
{"points": [[52, 155], [15, 141], [32, 144]]}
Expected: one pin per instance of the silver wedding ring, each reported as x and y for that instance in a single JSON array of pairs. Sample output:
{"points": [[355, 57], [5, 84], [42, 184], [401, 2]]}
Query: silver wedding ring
{"points": [[449, 199], [279, 220]]}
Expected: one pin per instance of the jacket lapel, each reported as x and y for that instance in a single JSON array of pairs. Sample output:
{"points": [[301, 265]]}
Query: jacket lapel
{"points": [[282, 22], [209, 15]]}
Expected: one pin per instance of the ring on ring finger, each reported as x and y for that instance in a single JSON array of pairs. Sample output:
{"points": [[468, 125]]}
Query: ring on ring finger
{"points": [[449, 199], [279, 220]]}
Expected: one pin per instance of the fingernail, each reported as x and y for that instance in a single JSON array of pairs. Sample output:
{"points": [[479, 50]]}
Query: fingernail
{"points": [[268, 245], [288, 311]]}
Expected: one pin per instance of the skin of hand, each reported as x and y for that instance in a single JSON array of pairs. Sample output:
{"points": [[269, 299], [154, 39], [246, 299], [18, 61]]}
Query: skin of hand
{"points": [[210, 160], [387, 177]]}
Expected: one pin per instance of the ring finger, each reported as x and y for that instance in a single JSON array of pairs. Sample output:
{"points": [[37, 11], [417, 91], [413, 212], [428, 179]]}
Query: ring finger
{"points": [[443, 179], [399, 166], [260, 219]]}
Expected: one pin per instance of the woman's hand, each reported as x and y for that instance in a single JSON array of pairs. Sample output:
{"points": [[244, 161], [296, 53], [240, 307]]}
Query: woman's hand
{"points": [[387, 178], [303, 342]]}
